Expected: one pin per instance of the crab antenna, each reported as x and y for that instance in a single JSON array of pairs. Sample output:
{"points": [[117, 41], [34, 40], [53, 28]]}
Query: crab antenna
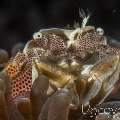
{"points": [[84, 17]]}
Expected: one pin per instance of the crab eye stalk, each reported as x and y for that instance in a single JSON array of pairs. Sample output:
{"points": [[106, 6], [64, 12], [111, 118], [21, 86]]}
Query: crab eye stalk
{"points": [[100, 31], [37, 35]]}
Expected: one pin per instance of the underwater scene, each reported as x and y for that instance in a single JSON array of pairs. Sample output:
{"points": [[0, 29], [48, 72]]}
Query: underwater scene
{"points": [[60, 60]]}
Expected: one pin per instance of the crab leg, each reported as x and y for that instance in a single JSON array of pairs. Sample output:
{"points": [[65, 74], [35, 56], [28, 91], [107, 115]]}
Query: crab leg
{"points": [[100, 80]]}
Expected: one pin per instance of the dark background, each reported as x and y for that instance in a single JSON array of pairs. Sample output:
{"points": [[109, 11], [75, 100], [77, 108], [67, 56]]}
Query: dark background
{"points": [[19, 19]]}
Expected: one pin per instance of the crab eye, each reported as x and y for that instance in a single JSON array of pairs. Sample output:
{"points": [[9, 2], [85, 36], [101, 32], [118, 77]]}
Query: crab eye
{"points": [[100, 31], [37, 35]]}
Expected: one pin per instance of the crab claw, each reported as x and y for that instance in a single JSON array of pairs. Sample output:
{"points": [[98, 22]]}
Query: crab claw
{"points": [[99, 81]]}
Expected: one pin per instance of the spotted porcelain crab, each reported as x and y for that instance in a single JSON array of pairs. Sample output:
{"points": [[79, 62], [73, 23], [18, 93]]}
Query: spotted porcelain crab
{"points": [[81, 68]]}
